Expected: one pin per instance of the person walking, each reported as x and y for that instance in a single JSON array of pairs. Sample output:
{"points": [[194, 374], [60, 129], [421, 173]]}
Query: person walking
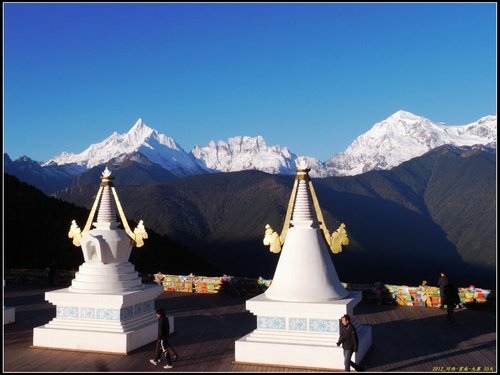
{"points": [[442, 282], [349, 340], [162, 345], [51, 273], [451, 300]]}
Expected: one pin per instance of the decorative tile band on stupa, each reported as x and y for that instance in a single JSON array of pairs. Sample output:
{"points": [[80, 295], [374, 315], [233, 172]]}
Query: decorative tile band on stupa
{"points": [[106, 308], [298, 317]]}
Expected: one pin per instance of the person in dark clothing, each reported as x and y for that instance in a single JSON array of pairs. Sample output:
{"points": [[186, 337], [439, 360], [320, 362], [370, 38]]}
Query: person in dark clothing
{"points": [[162, 345], [442, 282], [349, 340], [51, 273], [451, 300]]}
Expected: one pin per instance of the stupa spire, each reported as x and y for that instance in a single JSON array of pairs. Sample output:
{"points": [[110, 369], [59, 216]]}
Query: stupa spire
{"points": [[303, 209], [108, 203], [107, 208]]}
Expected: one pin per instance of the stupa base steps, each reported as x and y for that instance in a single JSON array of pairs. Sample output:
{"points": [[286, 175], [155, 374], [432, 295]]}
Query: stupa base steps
{"points": [[116, 327], [298, 334], [112, 323], [291, 338], [115, 337], [95, 341], [250, 350], [96, 277], [309, 338]]}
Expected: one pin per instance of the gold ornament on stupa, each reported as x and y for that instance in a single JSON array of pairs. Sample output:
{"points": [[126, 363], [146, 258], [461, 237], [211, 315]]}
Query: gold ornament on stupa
{"points": [[335, 240], [107, 214]]}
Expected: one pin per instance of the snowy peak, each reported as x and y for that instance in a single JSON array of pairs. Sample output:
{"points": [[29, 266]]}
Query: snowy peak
{"points": [[484, 128], [244, 152], [487, 120], [400, 137], [403, 136], [402, 116], [158, 148], [139, 132], [138, 126]]}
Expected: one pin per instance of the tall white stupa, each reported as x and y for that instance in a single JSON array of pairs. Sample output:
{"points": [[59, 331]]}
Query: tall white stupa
{"points": [[298, 317], [107, 308]]}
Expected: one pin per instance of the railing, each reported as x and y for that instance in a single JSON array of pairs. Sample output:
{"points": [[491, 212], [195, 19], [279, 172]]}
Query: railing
{"points": [[37, 276], [420, 296]]}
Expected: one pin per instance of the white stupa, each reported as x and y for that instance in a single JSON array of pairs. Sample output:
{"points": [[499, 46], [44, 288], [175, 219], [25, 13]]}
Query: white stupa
{"points": [[107, 308], [298, 317]]}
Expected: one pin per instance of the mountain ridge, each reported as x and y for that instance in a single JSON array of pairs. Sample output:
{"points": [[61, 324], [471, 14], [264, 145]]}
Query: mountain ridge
{"points": [[387, 144]]}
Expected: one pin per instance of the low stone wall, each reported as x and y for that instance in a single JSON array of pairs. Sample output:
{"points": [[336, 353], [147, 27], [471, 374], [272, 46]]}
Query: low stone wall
{"points": [[418, 296], [37, 276]]}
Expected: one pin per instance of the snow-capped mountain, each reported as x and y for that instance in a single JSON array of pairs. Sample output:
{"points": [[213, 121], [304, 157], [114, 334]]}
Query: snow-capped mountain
{"points": [[397, 139], [239, 153], [158, 148], [404, 136], [244, 152]]}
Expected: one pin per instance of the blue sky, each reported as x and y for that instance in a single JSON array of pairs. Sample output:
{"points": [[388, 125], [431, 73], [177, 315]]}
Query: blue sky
{"points": [[311, 77]]}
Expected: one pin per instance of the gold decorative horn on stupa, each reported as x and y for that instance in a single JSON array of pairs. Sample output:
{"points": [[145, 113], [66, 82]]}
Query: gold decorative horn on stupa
{"points": [[137, 236], [334, 240]]}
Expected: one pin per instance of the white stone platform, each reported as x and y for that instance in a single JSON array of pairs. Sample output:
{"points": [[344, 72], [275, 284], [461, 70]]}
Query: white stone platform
{"points": [[103, 322], [300, 334]]}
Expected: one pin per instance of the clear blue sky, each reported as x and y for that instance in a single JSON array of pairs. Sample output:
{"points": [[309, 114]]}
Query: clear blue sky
{"points": [[311, 77]]}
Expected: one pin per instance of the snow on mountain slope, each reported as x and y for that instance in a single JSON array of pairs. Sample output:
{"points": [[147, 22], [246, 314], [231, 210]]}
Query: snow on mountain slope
{"points": [[404, 136], [399, 138], [244, 152], [158, 148]]}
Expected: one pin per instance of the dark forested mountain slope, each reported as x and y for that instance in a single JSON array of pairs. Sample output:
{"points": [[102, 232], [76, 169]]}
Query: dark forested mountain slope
{"points": [[36, 233]]}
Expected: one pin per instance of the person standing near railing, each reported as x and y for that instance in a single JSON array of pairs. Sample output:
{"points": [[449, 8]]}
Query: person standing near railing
{"points": [[442, 282]]}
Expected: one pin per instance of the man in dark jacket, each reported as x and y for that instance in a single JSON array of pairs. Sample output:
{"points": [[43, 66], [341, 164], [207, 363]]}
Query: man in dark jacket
{"points": [[162, 345], [349, 340], [442, 283], [451, 300]]}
